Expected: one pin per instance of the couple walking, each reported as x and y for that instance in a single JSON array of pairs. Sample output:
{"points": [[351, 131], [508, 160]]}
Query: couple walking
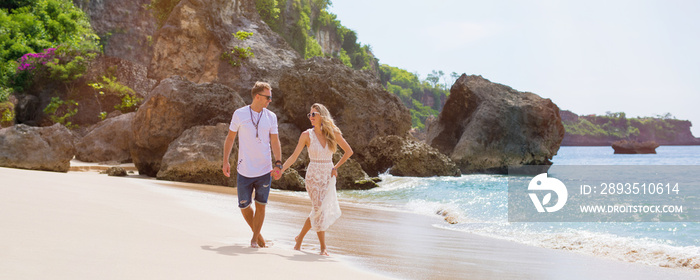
{"points": [[257, 132]]}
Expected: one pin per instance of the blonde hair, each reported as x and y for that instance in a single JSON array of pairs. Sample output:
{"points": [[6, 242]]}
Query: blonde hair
{"points": [[328, 126]]}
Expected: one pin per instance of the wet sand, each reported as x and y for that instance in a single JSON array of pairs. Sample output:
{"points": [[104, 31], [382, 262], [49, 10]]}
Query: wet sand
{"points": [[203, 223]]}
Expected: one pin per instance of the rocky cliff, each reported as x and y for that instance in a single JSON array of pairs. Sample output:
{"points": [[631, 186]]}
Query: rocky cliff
{"points": [[197, 33], [189, 90], [195, 88], [125, 27], [595, 130]]}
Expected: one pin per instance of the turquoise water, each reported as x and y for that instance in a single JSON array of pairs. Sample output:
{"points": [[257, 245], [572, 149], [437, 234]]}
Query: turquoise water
{"points": [[479, 204]]}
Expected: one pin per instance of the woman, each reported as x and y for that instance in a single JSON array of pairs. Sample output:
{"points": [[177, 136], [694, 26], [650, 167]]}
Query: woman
{"points": [[322, 141]]}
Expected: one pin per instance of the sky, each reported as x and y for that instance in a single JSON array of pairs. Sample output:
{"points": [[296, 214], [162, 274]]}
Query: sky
{"points": [[589, 57]]}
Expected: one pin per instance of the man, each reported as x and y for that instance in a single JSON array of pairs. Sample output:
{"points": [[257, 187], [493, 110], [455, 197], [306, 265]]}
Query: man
{"points": [[256, 127]]}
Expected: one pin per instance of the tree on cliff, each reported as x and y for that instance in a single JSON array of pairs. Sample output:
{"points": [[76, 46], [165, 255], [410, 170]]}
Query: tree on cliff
{"points": [[33, 26], [298, 22], [422, 98], [43, 44]]}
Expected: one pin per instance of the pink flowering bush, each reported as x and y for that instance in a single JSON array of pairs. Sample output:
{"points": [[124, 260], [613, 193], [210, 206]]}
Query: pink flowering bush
{"points": [[62, 64], [28, 61]]}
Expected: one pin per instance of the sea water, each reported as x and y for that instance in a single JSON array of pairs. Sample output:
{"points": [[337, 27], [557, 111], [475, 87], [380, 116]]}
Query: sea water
{"points": [[479, 204]]}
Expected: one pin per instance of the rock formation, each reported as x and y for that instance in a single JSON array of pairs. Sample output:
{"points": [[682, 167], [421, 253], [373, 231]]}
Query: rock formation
{"points": [[634, 147], [196, 157], [356, 100], [197, 33], [108, 141], [487, 127], [38, 148], [351, 176], [125, 27], [116, 171], [407, 157], [291, 181], [172, 107], [604, 130]]}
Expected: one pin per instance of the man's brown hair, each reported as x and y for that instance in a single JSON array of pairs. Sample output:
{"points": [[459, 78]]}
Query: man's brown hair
{"points": [[259, 87]]}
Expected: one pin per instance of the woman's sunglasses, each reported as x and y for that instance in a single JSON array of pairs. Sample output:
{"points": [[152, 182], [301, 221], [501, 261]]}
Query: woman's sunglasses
{"points": [[313, 114]]}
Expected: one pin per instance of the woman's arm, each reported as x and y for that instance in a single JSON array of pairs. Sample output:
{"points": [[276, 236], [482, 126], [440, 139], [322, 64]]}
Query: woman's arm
{"points": [[303, 142], [346, 149]]}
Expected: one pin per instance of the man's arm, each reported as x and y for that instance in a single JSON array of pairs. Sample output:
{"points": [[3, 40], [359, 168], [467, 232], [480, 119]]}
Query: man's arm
{"points": [[277, 152], [228, 146]]}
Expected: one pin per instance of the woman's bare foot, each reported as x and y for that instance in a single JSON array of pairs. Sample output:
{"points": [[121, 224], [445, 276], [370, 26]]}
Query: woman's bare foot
{"points": [[298, 245], [254, 244], [324, 253], [258, 243], [261, 242]]}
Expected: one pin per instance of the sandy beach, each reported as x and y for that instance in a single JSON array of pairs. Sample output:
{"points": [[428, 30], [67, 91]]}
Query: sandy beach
{"points": [[85, 225]]}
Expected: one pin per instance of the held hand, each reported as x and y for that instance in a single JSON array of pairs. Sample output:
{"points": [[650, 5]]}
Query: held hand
{"points": [[227, 169], [334, 172], [276, 173]]}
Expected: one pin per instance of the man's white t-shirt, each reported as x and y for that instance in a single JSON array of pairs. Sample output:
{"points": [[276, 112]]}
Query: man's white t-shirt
{"points": [[254, 154]]}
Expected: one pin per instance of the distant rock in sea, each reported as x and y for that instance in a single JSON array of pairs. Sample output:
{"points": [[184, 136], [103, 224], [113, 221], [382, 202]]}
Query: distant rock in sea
{"points": [[634, 147]]}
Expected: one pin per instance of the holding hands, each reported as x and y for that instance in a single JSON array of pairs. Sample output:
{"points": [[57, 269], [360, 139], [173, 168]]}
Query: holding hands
{"points": [[277, 170]]}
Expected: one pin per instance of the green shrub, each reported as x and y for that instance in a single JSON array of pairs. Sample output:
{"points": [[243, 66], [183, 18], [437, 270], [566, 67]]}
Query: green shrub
{"points": [[7, 113], [60, 110], [410, 90], [269, 12], [237, 55], [109, 86], [28, 27]]}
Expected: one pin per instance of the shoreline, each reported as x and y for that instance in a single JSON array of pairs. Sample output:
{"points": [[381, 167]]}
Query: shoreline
{"points": [[399, 251], [369, 241]]}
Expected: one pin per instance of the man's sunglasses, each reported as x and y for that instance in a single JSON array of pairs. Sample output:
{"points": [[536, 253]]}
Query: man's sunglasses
{"points": [[266, 96]]}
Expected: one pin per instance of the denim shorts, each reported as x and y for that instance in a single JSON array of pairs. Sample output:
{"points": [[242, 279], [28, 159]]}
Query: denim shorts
{"points": [[245, 187]]}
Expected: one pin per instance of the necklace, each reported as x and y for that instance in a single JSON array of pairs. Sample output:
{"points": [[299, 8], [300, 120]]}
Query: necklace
{"points": [[252, 119]]}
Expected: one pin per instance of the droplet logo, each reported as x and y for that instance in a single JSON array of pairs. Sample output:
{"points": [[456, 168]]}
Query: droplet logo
{"points": [[542, 183]]}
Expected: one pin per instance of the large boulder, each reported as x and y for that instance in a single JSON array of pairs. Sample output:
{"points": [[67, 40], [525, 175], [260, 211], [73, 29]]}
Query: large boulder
{"points": [[196, 157], [407, 157], [172, 107], [487, 127], [290, 180], [108, 141], [361, 107], [351, 176], [38, 148], [196, 34]]}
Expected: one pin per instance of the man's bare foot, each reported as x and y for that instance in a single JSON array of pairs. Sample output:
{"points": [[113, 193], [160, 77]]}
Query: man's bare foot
{"points": [[298, 245]]}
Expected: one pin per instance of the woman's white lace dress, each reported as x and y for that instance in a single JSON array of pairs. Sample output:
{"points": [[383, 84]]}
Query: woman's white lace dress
{"points": [[321, 185]]}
